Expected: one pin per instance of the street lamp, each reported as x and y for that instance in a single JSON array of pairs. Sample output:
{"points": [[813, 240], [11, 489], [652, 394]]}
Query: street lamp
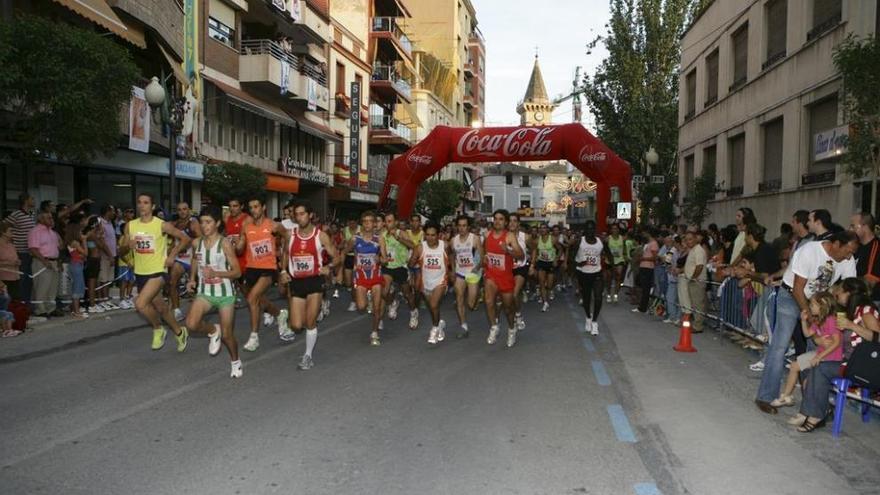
{"points": [[651, 158], [172, 111]]}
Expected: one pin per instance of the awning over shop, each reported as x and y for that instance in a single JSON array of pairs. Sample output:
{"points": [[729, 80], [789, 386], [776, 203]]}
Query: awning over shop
{"points": [[318, 130], [278, 182], [100, 13], [176, 66], [252, 104]]}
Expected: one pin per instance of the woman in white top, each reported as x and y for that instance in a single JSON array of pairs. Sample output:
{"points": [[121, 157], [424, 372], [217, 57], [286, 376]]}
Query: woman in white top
{"points": [[430, 256], [588, 263], [466, 252]]}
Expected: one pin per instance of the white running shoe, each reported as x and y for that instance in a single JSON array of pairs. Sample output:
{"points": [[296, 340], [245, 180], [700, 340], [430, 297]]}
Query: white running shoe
{"points": [[236, 369], [616, 298], [282, 319], [392, 309], [525, 296], [253, 343], [588, 326], [520, 323], [125, 304], [381, 324], [493, 335], [178, 314], [545, 307], [306, 363], [441, 331], [109, 306], [511, 337], [757, 367], [608, 298], [335, 293], [414, 319], [552, 295], [352, 307], [595, 330], [288, 335], [432, 335], [214, 340], [369, 307], [268, 320], [97, 309], [325, 308]]}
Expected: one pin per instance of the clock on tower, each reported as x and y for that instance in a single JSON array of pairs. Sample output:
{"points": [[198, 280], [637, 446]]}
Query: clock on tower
{"points": [[536, 108]]}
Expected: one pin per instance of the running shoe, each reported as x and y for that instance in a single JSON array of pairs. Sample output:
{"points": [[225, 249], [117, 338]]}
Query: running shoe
{"points": [[757, 367], [511, 337], [552, 295], [236, 369], [181, 339], [214, 340], [282, 319], [178, 314], [253, 343], [335, 293], [287, 336], [635, 310], [305, 363], [320, 316], [325, 307], [520, 323], [374, 339], [616, 298], [381, 324], [432, 335], [463, 333], [608, 298], [595, 329], [110, 306], [493, 335], [268, 320], [525, 296], [97, 309], [352, 307], [369, 307], [588, 326], [124, 304], [414, 319], [441, 331], [158, 338], [392, 309], [545, 307]]}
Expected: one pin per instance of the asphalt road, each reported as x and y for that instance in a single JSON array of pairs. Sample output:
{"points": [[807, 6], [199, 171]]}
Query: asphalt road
{"points": [[88, 408]]}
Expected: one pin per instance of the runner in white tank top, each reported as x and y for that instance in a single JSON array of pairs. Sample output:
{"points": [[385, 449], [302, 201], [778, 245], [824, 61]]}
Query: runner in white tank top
{"points": [[467, 254], [520, 269], [431, 257]]}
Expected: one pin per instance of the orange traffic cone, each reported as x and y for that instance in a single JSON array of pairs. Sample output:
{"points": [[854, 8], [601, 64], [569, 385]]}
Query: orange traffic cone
{"points": [[684, 336]]}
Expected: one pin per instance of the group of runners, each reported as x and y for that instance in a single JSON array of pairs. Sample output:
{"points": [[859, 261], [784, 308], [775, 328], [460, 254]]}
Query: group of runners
{"points": [[382, 264]]}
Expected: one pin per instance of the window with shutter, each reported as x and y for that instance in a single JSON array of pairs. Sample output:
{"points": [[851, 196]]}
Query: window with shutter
{"points": [[772, 156], [710, 155], [740, 42], [737, 146], [712, 77], [824, 10], [688, 171], [777, 15], [691, 92]]}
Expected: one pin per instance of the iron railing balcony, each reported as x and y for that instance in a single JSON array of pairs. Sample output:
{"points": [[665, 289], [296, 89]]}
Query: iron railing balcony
{"points": [[390, 74], [389, 25], [273, 48]]}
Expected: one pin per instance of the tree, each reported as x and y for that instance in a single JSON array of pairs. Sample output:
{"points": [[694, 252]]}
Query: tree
{"points": [[634, 92], [439, 198], [226, 181], [859, 63], [700, 193], [64, 88]]}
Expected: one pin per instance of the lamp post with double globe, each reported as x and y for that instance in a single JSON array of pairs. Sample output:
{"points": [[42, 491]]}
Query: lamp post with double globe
{"points": [[172, 112]]}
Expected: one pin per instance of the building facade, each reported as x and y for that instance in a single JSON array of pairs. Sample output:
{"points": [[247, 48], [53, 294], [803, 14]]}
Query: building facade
{"points": [[514, 188], [760, 101]]}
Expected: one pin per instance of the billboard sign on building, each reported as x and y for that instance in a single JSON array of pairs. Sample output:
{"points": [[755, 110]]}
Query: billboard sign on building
{"points": [[354, 133], [138, 121], [830, 143]]}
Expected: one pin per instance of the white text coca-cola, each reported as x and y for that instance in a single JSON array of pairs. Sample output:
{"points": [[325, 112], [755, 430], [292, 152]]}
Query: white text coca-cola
{"points": [[587, 155], [530, 141]]}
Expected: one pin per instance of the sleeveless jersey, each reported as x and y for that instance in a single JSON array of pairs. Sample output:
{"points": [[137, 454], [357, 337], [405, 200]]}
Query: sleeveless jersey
{"points": [[616, 248], [433, 263], [397, 252], [416, 238], [521, 240], [546, 249], [366, 261], [499, 264], [260, 247], [305, 254], [348, 235], [592, 254], [186, 256], [233, 232], [465, 254], [150, 246], [214, 257]]}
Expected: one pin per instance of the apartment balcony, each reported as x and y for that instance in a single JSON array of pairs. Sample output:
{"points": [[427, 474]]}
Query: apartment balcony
{"points": [[388, 135], [263, 64], [469, 69], [817, 178], [388, 85], [468, 101], [391, 42], [308, 28]]}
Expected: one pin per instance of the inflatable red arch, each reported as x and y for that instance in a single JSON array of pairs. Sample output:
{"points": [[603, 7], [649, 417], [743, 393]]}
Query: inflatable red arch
{"points": [[445, 145]]}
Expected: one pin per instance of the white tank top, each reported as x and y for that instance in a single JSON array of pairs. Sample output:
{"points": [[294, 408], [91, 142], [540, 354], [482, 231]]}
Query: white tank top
{"points": [[433, 265], [216, 259], [521, 240], [465, 259], [592, 254]]}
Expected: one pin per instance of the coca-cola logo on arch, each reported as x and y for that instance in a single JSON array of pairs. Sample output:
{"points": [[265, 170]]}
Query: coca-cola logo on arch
{"points": [[415, 160], [529, 141], [587, 155]]}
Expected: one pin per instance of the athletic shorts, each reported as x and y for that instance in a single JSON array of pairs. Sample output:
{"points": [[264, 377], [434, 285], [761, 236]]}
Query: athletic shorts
{"points": [[471, 278], [217, 301], [428, 290], [399, 275], [141, 280], [504, 284], [349, 262], [252, 275], [126, 274], [186, 266], [522, 271], [106, 272], [369, 283], [93, 268], [301, 288], [545, 266]]}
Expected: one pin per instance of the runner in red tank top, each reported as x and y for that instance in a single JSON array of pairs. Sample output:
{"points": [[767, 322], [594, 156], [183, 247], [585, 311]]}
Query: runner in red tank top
{"points": [[501, 249]]}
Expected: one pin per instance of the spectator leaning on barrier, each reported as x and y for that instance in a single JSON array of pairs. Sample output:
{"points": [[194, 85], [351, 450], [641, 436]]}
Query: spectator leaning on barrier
{"points": [[10, 265], [45, 245], [23, 221], [868, 254], [814, 267], [692, 284], [673, 312], [107, 248], [744, 217], [647, 260], [782, 244]]}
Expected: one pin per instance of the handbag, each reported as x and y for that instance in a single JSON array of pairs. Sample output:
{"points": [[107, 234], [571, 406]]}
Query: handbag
{"points": [[863, 366]]}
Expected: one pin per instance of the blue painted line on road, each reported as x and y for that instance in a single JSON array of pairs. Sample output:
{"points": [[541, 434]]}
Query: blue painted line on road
{"points": [[601, 375], [621, 425], [588, 345], [647, 489]]}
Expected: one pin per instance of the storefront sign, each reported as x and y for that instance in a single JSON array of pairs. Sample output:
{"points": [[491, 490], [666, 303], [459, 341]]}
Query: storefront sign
{"points": [[302, 170], [138, 121], [830, 143], [187, 170], [368, 197], [354, 133]]}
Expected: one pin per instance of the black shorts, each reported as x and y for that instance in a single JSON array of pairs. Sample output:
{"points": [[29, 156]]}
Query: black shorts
{"points": [[522, 271], [545, 266], [300, 288], [141, 280], [92, 268], [252, 275], [349, 262], [399, 275]]}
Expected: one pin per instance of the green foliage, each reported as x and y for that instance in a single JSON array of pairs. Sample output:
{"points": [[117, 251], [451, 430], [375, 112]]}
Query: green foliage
{"points": [[226, 181], [859, 63], [634, 92], [64, 87], [439, 198], [700, 193]]}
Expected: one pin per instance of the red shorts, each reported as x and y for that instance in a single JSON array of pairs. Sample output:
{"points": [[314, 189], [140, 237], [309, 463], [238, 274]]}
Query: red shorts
{"points": [[369, 283], [505, 282]]}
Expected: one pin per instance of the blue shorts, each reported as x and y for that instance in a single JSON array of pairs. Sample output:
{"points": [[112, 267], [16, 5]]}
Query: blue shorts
{"points": [[126, 274], [186, 266], [6, 316]]}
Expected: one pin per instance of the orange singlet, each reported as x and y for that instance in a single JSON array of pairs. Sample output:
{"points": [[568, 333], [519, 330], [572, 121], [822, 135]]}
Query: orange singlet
{"points": [[260, 249]]}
